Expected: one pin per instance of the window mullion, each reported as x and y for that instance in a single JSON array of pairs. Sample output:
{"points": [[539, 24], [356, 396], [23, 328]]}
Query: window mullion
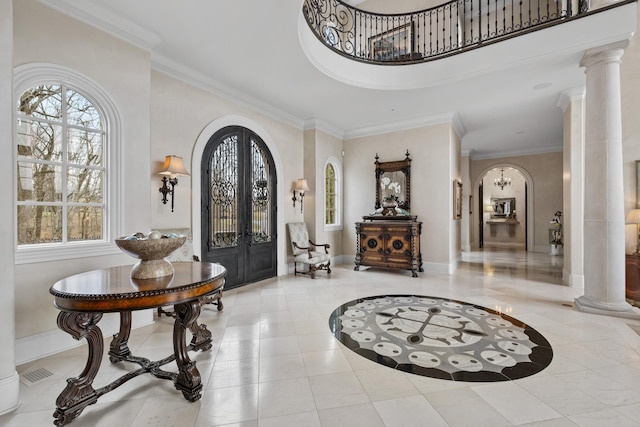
{"points": [[64, 137]]}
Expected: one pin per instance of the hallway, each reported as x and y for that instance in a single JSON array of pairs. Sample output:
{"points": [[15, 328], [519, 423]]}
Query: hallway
{"points": [[276, 363]]}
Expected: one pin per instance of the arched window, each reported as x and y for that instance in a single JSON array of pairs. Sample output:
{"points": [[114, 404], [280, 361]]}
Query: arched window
{"points": [[332, 214], [63, 182]]}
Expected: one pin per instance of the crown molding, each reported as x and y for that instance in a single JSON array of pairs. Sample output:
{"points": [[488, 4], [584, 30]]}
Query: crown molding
{"points": [[178, 71], [325, 127], [145, 39], [404, 125], [107, 21], [515, 153]]}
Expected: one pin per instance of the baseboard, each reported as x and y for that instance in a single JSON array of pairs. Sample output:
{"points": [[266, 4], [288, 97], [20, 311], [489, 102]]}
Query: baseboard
{"points": [[573, 280], [442, 268], [544, 249], [9, 393], [51, 342], [433, 267]]}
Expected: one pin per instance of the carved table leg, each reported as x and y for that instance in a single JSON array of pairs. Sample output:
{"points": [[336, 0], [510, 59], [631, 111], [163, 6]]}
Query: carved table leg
{"points": [[188, 380], [79, 392], [119, 348], [201, 339]]}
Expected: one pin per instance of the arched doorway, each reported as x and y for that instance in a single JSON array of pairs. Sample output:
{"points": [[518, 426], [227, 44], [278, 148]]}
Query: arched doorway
{"points": [[504, 208], [238, 205]]}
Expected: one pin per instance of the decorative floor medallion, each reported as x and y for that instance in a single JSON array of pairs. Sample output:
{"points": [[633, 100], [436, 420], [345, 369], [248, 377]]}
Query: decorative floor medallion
{"points": [[440, 338]]}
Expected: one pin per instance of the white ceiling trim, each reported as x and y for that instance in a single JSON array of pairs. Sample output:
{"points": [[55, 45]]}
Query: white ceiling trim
{"points": [[194, 78], [515, 153], [104, 20], [405, 125], [324, 127]]}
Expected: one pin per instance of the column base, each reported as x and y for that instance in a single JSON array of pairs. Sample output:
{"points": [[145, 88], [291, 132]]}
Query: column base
{"points": [[622, 309], [9, 393]]}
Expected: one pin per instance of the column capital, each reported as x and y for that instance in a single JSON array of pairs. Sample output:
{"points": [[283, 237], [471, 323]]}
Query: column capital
{"points": [[569, 95], [605, 53]]}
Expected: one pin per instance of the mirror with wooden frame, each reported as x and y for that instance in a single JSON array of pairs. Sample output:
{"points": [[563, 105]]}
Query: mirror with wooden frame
{"points": [[393, 183]]}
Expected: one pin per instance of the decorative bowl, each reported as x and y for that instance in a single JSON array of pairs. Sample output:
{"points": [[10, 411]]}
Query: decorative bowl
{"points": [[151, 254]]}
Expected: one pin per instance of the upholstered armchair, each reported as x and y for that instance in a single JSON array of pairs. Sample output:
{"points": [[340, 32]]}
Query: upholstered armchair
{"points": [[305, 253]]}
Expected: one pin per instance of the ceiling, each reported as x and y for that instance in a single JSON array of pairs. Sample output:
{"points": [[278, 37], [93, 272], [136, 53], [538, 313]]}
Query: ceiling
{"points": [[502, 98]]}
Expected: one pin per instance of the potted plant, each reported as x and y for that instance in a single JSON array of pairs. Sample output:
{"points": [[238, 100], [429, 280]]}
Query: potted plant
{"points": [[555, 233]]}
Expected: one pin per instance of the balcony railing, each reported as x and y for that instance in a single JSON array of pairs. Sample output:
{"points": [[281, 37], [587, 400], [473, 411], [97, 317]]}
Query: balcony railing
{"points": [[429, 34]]}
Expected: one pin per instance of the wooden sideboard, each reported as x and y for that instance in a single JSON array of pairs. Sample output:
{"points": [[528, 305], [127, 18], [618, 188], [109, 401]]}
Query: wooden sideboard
{"points": [[632, 265], [389, 243]]}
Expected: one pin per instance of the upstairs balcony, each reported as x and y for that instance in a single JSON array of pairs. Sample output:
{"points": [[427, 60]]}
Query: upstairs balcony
{"points": [[441, 31]]}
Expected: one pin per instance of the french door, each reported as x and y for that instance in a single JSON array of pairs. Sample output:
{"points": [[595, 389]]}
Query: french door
{"points": [[239, 206]]}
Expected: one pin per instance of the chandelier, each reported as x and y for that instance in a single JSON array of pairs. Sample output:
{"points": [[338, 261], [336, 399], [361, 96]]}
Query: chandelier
{"points": [[502, 182]]}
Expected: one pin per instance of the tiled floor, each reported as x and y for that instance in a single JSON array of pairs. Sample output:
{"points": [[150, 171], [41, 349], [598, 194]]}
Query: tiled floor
{"points": [[275, 363]]}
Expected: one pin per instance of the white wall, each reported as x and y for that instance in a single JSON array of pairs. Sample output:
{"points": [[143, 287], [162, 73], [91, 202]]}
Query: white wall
{"points": [[432, 172], [176, 129], [468, 204], [326, 147], [157, 118], [122, 71], [9, 381]]}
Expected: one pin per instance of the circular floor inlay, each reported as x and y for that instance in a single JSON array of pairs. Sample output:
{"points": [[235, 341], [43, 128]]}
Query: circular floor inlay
{"points": [[440, 338]]}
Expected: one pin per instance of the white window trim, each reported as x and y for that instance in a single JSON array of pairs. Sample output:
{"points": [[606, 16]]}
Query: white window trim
{"points": [[338, 171], [29, 75]]}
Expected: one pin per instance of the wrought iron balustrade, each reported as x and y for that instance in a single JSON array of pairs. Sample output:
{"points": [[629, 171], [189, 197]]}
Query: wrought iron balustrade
{"points": [[443, 30]]}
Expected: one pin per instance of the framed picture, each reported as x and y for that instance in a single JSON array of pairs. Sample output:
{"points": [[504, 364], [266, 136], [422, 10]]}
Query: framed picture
{"points": [[394, 44], [457, 199]]}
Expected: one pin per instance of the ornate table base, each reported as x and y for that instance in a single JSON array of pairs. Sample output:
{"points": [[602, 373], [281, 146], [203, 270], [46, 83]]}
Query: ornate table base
{"points": [[79, 392]]}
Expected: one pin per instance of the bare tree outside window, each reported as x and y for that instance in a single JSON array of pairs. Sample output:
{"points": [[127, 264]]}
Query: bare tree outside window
{"points": [[60, 167], [330, 206]]}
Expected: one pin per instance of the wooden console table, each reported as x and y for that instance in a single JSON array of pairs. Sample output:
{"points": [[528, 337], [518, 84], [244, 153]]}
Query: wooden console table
{"points": [[82, 299], [632, 266], [389, 242]]}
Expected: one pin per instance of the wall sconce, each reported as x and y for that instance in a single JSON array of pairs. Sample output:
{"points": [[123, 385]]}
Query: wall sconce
{"points": [[301, 187], [634, 218], [173, 166]]}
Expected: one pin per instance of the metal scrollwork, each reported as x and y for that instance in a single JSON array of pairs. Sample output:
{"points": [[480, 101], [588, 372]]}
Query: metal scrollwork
{"points": [[223, 193], [449, 28], [260, 197]]}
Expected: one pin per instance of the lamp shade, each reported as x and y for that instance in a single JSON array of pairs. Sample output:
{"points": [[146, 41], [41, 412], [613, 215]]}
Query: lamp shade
{"points": [[633, 217], [173, 165], [302, 185]]}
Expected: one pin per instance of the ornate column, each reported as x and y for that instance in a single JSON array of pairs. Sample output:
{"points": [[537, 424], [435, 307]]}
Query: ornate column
{"points": [[604, 244]]}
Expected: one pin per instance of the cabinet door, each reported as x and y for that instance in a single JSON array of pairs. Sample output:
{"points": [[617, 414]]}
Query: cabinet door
{"points": [[398, 242], [371, 243]]}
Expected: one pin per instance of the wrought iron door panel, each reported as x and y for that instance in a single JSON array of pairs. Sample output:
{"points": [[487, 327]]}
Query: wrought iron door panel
{"points": [[239, 216]]}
